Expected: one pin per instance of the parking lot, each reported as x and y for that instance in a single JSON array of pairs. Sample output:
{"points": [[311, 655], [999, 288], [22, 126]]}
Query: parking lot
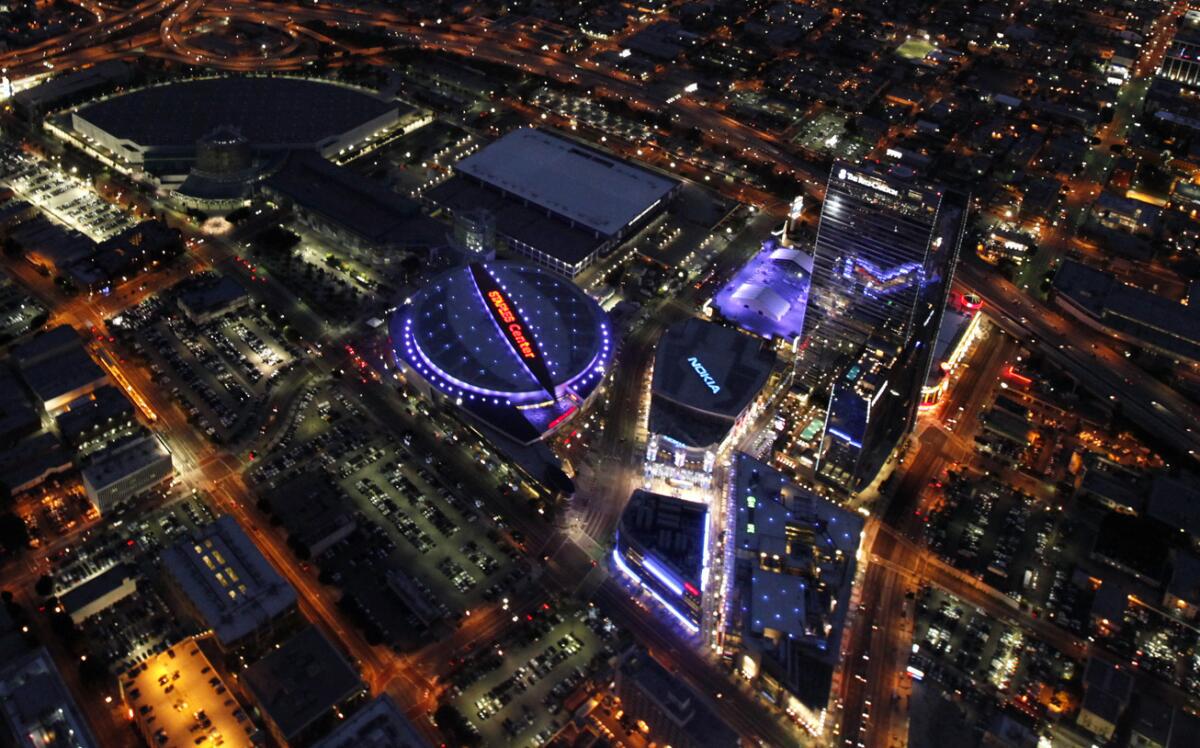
{"points": [[141, 624], [219, 372], [69, 200], [424, 553], [18, 310], [590, 112], [965, 651], [825, 134], [55, 509], [513, 692]]}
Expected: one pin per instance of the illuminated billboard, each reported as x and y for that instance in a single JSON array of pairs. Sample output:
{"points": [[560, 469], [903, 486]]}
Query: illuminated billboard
{"points": [[512, 327]]}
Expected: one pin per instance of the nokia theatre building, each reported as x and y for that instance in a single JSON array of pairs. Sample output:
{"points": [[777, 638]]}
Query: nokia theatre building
{"points": [[710, 383]]}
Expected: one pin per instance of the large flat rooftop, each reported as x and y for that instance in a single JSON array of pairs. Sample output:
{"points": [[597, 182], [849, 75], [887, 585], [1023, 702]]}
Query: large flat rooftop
{"points": [[705, 375], [301, 681], [265, 110], [1153, 319], [176, 686], [226, 578], [379, 724], [578, 183], [119, 461], [38, 708], [357, 203]]}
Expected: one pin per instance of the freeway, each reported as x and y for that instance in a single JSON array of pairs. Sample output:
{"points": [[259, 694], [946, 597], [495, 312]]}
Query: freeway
{"points": [[1088, 356]]}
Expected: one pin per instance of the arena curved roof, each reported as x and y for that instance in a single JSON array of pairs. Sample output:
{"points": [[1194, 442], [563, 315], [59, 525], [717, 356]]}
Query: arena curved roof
{"points": [[504, 333], [293, 112]]}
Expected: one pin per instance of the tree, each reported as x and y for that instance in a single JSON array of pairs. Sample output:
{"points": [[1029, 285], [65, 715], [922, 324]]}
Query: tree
{"points": [[44, 586], [452, 722], [409, 267], [13, 534]]}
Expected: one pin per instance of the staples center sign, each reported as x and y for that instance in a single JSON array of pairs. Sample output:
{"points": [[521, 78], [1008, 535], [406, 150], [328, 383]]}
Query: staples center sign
{"points": [[516, 332], [513, 328]]}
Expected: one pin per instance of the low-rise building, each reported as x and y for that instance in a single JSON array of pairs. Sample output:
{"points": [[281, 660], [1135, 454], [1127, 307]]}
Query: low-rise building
{"points": [[672, 713], [31, 461], [1182, 594], [1100, 300], [99, 593], [18, 418], [222, 581], [378, 724], [57, 368], [363, 215], [38, 709], [202, 304], [303, 687], [96, 420], [1106, 692], [177, 698], [313, 511], [126, 469]]}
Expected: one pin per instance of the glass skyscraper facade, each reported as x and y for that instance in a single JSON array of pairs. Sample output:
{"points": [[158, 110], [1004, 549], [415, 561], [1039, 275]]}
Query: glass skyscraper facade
{"points": [[883, 262]]}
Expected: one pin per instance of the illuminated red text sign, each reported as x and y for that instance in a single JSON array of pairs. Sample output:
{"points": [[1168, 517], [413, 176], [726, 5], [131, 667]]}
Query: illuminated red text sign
{"points": [[514, 329]]}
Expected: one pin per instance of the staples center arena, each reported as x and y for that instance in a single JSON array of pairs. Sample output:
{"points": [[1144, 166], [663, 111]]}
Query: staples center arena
{"points": [[519, 348]]}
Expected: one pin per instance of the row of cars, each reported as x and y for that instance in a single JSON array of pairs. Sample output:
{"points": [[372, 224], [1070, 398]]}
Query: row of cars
{"points": [[65, 197]]}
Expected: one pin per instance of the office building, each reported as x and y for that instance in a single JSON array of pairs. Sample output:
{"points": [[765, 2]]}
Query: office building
{"points": [[673, 714], [662, 545], [123, 470], [222, 581], [378, 724], [883, 262], [38, 710], [710, 384], [303, 687], [790, 560]]}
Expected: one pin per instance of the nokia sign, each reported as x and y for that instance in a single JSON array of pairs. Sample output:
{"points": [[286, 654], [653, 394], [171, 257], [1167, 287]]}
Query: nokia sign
{"points": [[704, 375]]}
